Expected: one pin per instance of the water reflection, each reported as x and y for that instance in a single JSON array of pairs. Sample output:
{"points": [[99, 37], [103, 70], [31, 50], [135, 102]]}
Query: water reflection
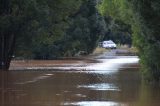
{"points": [[104, 65], [113, 64], [34, 80], [92, 103], [101, 87]]}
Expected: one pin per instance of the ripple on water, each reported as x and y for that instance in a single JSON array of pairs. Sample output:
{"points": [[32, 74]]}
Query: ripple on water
{"points": [[91, 103], [100, 87], [34, 80]]}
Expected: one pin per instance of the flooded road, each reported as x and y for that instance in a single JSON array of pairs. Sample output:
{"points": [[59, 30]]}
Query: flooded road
{"points": [[114, 81]]}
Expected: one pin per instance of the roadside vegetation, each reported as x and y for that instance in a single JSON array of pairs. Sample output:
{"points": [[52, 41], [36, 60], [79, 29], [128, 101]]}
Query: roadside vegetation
{"points": [[142, 16], [99, 50]]}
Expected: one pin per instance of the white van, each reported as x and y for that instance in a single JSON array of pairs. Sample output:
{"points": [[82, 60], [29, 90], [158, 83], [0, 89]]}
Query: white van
{"points": [[109, 44]]}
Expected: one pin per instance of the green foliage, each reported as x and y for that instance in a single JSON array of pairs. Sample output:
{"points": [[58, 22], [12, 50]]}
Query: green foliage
{"points": [[147, 14], [119, 32], [86, 28], [56, 28], [117, 9], [144, 17], [118, 17], [41, 23]]}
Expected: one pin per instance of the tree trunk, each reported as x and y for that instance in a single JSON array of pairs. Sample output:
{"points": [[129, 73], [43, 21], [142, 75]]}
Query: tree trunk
{"points": [[7, 43], [7, 39]]}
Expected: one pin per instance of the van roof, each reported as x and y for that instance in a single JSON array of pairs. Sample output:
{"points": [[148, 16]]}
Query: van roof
{"points": [[109, 41]]}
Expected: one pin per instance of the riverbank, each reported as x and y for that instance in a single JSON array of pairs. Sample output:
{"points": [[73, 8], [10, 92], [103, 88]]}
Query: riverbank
{"points": [[66, 62], [80, 61]]}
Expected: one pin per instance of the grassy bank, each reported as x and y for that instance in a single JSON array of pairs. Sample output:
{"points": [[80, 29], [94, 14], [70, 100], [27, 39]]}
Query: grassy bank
{"points": [[99, 50], [128, 50]]}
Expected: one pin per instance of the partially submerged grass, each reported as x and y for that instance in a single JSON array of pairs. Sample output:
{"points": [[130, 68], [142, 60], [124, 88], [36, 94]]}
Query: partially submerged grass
{"points": [[132, 50], [99, 50], [121, 49]]}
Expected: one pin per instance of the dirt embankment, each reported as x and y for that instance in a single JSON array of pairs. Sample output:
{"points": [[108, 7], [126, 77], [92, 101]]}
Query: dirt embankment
{"points": [[25, 64], [67, 62]]}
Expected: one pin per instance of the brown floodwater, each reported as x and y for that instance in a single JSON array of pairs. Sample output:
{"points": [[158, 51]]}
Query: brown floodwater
{"points": [[114, 81]]}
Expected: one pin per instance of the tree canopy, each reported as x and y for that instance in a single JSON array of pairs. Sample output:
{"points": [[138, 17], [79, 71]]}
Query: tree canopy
{"points": [[40, 29], [143, 16], [32, 24], [58, 34]]}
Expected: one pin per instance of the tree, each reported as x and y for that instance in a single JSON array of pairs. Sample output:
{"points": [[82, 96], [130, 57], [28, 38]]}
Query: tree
{"points": [[79, 32], [147, 15], [7, 35], [143, 16], [119, 32], [86, 28], [28, 21]]}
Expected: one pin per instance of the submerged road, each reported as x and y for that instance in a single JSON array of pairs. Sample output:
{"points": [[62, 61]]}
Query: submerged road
{"points": [[114, 81]]}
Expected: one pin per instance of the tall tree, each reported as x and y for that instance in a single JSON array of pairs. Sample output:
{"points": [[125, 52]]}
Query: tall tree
{"points": [[27, 19], [147, 15], [79, 32], [86, 28], [7, 35]]}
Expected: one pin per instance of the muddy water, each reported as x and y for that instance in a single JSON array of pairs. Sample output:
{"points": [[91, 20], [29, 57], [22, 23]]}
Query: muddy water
{"points": [[114, 81]]}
